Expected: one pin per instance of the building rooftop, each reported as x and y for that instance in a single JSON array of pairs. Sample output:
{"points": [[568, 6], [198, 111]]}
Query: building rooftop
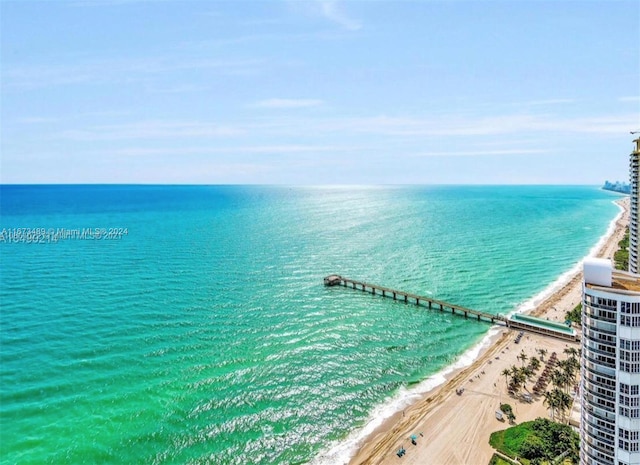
{"points": [[598, 273], [620, 280], [551, 326], [626, 281]]}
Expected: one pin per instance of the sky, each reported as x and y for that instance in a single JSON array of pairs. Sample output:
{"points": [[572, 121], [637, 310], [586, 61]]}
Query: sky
{"points": [[310, 92]]}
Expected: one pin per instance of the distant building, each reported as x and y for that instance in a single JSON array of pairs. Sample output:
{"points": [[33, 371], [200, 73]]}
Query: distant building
{"points": [[610, 365], [634, 234], [617, 186]]}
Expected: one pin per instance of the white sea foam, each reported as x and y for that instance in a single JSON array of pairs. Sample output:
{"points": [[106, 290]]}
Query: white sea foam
{"points": [[340, 452]]}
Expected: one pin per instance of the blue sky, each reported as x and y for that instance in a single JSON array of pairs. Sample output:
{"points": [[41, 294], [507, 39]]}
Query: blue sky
{"points": [[318, 92]]}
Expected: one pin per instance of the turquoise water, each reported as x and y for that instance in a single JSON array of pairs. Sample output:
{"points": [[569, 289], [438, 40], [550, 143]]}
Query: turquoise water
{"points": [[205, 334]]}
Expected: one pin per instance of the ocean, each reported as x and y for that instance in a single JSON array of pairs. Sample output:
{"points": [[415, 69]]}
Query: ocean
{"points": [[190, 324]]}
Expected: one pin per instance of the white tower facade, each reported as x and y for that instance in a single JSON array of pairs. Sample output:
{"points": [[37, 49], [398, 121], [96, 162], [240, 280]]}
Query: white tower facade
{"points": [[634, 233], [610, 368]]}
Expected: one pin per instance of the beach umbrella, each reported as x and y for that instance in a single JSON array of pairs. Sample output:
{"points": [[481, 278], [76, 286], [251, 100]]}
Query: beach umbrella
{"points": [[414, 437]]}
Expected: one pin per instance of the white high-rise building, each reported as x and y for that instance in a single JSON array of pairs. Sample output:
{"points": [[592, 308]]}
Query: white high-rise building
{"points": [[634, 233], [610, 369]]}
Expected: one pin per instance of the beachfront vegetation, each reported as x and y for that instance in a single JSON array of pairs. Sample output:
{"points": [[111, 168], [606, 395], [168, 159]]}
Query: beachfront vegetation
{"points": [[563, 378], [621, 257], [542, 441], [558, 401], [508, 411], [575, 315], [538, 442], [517, 377]]}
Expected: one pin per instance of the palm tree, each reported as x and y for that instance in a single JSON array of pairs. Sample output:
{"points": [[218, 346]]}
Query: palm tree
{"points": [[573, 363], [542, 353], [527, 372], [550, 401], [506, 373], [518, 379], [559, 379], [515, 376], [564, 402], [522, 357], [568, 369], [558, 400], [534, 363], [570, 372], [571, 352]]}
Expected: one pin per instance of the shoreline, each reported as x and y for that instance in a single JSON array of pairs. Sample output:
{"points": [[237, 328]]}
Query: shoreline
{"points": [[432, 411]]}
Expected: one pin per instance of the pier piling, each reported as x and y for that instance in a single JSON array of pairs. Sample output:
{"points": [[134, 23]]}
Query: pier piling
{"points": [[526, 323], [337, 280]]}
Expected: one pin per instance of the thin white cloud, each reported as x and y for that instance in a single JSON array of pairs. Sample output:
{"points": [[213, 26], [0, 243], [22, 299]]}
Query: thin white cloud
{"points": [[151, 130], [117, 71], [279, 36], [287, 103], [557, 101], [88, 3], [37, 120], [477, 153], [329, 10], [453, 125], [333, 12], [300, 133], [179, 89], [629, 99], [285, 149]]}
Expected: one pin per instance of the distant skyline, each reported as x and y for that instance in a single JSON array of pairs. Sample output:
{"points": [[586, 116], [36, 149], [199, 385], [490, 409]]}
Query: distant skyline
{"points": [[318, 92]]}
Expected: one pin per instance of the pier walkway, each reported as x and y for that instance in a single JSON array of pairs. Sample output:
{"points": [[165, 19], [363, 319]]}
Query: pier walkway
{"points": [[519, 322], [336, 280]]}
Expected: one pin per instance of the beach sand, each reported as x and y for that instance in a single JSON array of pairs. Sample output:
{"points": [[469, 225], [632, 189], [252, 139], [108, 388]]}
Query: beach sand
{"points": [[455, 429]]}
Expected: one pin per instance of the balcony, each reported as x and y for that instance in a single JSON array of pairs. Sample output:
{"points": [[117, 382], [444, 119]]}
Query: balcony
{"points": [[600, 369], [600, 360], [593, 458], [600, 414], [595, 337], [600, 326], [598, 348], [609, 428], [601, 395]]}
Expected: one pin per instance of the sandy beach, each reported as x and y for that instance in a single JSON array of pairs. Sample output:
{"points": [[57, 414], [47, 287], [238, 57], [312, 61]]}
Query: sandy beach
{"points": [[455, 429]]}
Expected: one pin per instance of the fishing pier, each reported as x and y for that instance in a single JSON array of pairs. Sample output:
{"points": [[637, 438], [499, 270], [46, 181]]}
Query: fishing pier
{"points": [[419, 300], [520, 322]]}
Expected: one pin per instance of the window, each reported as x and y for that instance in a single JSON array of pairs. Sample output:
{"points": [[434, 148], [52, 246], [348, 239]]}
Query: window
{"points": [[627, 344], [602, 302], [631, 446], [632, 308], [630, 367], [629, 401], [629, 412], [628, 440], [633, 321], [630, 356]]}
